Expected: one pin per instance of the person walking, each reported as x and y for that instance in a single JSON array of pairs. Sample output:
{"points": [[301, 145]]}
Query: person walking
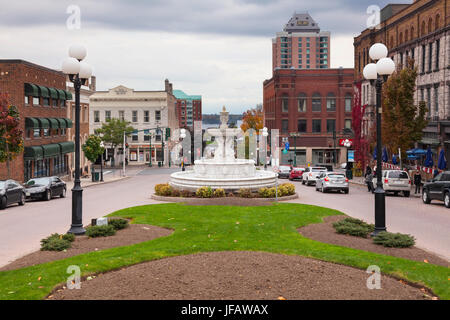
{"points": [[369, 182], [417, 181]]}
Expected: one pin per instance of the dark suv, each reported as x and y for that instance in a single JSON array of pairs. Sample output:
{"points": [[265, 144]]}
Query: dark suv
{"points": [[438, 189]]}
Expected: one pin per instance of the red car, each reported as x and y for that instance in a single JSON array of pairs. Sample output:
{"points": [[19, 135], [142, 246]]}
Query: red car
{"points": [[296, 173]]}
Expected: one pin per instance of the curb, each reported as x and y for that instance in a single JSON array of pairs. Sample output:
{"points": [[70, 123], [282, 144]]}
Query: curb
{"points": [[106, 182], [180, 200]]}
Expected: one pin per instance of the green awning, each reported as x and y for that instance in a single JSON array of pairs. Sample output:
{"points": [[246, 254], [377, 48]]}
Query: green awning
{"points": [[69, 123], [62, 123], [53, 93], [33, 153], [44, 92], [31, 90], [67, 147], [54, 124], [61, 94], [31, 123], [44, 123], [51, 150], [68, 95]]}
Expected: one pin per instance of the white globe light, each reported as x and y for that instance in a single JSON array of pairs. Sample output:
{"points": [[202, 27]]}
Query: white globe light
{"points": [[183, 131], [385, 67], [182, 136], [370, 71], [85, 70], [77, 51], [71, 66], [378, 51]]}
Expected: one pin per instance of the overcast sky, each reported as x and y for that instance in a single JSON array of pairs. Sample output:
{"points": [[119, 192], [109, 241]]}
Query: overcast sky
{"points": [[220, 49]]}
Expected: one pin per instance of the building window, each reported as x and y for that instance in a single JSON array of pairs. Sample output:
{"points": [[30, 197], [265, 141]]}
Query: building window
{"points": [[146, 116], [158, 115], [62, 103], [423, 58], [36, 101], [302, 126], [285, 104], [302, 102], [436, 101], [134, 116], [122, 115], [438, 45], [430, 57], [331, 102], [331, 125], [134, 137], [54, 103], [348, 102], [429, 101], [46, 102], [46, 132], [316, 103], [36, 133], [107, 116], [96, 116], [348, 124], [27, 100], [317, 126], [285, 125], [147, 137]]}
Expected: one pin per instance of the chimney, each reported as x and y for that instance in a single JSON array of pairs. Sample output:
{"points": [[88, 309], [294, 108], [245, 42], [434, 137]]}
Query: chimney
{"points": [[166, 83]]}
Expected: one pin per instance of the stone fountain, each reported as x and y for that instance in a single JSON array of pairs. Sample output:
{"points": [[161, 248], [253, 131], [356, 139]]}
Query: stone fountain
{"points": [[224, 170]]}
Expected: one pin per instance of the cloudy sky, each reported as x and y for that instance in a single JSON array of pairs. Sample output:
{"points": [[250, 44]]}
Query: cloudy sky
{"points": [[220, 49]]}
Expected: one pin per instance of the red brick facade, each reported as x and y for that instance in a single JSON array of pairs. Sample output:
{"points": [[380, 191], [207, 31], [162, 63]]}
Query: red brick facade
{"points": [[13, 76]]}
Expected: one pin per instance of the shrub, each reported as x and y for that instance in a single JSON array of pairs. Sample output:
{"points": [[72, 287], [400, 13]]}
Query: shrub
{"points": [[186, 194], [219, 193], [288, 188], [263, 193], [204, 192], [118, 224], [55, 244], [176, 193], [394, 240], [69, 237], [164, 190], [100, 231], [245, 193], [353, 227]]}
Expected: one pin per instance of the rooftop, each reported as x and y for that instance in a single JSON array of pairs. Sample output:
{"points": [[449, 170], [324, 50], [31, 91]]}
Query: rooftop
{"points": [[301, 22], [180, 95]]}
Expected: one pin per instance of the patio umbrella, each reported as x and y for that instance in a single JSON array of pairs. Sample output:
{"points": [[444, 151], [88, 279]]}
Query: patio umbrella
{"points": [[394, 160], [429, 159], [375, 153], [442, 162], [385, 157]]}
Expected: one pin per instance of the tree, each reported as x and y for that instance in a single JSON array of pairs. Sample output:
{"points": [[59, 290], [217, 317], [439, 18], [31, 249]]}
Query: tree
{"points": [[112, 132], [92, 148], [253, 119], [11, 141], [403, 121]]}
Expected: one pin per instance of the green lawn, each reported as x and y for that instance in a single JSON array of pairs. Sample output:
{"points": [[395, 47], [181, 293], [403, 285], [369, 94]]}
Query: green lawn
{"points": [[219, 228]]}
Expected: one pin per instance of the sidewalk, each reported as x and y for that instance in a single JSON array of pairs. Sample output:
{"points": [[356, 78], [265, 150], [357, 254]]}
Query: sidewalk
{"points": [[108, 177], [360, 181]]}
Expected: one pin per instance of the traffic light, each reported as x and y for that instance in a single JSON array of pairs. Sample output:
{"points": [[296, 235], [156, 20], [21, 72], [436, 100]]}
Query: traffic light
{"points": [[167, 133]]}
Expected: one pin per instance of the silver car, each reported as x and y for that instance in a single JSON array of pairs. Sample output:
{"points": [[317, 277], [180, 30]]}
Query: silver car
{"points": [[311, 174], [332, 181]]}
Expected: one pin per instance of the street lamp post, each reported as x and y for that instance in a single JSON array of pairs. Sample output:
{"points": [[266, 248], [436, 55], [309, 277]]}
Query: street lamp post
{"points": [[182, 136], [102, 145], [378, 73], [265, 134], [295, 135], [79, 72]]}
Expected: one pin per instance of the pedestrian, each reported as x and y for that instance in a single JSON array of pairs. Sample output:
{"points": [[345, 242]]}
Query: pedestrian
{"points": [[368, 170], [369, 182], [417, 181]]}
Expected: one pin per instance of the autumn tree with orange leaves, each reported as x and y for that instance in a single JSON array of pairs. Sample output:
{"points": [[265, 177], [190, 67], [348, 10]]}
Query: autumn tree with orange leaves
{"points": [[252, 119], [11, 140]]}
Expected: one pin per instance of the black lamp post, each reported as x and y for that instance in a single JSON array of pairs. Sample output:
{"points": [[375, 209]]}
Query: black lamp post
{"points": [[79, 72], [378, 73], [102, 145]]}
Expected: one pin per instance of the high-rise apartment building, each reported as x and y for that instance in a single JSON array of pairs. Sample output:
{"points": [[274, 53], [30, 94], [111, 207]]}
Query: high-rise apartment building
{"points": [[301, 45]]}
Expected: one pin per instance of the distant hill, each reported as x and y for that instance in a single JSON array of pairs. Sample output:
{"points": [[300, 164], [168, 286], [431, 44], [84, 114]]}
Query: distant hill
{"points": [[215, 118]]}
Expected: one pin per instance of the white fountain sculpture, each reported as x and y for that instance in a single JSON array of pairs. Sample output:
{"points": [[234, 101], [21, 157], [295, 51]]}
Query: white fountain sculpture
{"points": [[224, 170]]}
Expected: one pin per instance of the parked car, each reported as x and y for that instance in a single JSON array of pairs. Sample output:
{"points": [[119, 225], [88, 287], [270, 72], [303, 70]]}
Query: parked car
{"points": [[438, 189], [311, 174], [395, 181], [332, 181], [296, 173], [284, 172], [11, 192], [45, 188]]}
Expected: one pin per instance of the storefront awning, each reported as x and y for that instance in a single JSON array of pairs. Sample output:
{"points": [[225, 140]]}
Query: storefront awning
{"points": [[44, 123], [67, 147], [44, 92], [33, 153], [61, 94], [54, 124], [68, 95], [53, 93], [31, 123], [62, 123], [51, 150], [69, 123], [31, 90]]}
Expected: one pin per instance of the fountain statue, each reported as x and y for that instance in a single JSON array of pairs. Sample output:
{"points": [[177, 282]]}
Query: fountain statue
{"points": [[224, 170]]}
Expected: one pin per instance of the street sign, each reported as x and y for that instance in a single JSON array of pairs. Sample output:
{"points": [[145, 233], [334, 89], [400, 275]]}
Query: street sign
{"points": [[351, 156], [286, 146]]}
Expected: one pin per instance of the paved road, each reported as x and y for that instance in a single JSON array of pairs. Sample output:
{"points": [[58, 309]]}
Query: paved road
{"points": [[430, 224], [21, 228]]}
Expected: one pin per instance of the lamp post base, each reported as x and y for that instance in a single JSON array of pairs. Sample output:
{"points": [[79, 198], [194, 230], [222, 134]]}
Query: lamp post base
{"points": [[77, 229], [380, 211], [77, 210]]}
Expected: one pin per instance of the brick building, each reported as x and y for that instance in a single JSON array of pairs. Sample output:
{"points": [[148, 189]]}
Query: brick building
{"points": [[189, 109], [313, 103], [418, 31], [40, 95], [301, 45]]}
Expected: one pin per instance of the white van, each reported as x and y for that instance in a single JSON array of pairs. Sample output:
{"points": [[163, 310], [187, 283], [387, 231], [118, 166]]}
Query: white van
{"points": [[395, 181]]}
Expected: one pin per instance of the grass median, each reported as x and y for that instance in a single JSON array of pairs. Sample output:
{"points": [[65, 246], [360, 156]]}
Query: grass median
{"points": [[218, 228]]}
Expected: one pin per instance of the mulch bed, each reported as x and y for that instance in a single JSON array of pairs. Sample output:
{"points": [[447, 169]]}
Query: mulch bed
{"points": [[240, 202], [135, 233], [238, 276], [324, 232]]}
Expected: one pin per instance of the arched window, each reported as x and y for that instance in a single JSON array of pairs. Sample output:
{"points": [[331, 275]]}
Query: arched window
{"points": [[316, 102], [406, 35], [412, 33], [285, 103], [423, 28], [392, 42], [301, 100], [400, 38], [430, 25], [331, 102], [437, 22], [348, 102]]}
